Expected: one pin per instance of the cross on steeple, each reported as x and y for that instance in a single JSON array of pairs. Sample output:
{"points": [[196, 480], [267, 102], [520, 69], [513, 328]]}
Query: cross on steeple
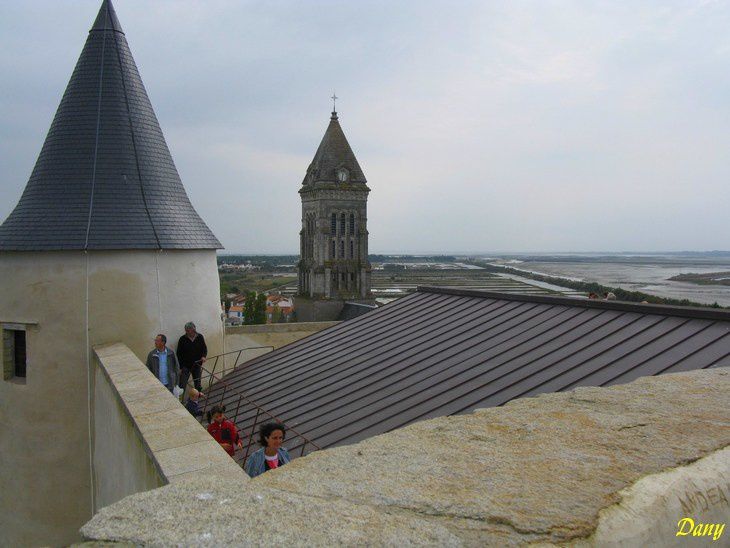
{"points": [[334, 102]]}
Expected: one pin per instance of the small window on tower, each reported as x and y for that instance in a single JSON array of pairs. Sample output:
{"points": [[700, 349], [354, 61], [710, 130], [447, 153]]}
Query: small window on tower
{"points": [[352, 249], [333, 224], [342, 249], [342, 224], [14, 352], [352, 223], [332, 250]]}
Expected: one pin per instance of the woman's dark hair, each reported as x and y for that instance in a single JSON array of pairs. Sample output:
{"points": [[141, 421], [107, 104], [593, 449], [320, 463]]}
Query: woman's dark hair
{"points": [[213, 410], [267, 429]]}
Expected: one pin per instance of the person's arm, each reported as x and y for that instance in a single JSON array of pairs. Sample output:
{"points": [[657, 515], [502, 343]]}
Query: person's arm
{"points": [[176, 366], [149, 362], [205, 349], [177, 351], [252, 467], [237, 437]]}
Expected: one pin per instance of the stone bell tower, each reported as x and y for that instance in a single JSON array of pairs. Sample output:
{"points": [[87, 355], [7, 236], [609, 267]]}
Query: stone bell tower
{"points": [[334, 237]]}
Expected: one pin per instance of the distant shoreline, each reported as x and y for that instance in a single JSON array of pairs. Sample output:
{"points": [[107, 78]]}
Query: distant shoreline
{"points": [[709, 278], [594, 287]]}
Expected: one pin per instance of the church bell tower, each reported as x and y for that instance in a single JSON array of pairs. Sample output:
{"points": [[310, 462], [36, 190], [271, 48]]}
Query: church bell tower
{"points": [[334, 237]]}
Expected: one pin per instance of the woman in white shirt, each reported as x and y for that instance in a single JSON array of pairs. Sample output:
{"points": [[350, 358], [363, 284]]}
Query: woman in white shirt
{"points": [[271, 455]]}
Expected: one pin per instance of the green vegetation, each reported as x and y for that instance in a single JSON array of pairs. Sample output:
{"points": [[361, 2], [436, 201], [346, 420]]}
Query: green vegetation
{"points": [[254, 309], [592, 287], [271, 263], [259, 272], [242, 281], [711, 278], [411, 258]]}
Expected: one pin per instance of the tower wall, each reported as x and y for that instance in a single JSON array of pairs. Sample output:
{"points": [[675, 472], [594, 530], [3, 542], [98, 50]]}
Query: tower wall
{"points": [[45, 429], [319, 269]]}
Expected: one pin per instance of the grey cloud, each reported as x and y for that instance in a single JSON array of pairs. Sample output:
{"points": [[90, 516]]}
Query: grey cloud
{"points": [[480, 126]]}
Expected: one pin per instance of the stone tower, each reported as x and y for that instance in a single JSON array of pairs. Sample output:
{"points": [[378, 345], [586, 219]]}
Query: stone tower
{"points": [[103, 246], [334, 237]]}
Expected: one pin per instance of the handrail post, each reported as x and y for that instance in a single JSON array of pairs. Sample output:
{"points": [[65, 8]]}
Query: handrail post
{"points": [[215, 364], [250, 437], [238, 406]]}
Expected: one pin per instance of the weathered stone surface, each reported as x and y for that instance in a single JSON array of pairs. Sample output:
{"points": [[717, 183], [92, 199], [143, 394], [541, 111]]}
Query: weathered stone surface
{"points": [[699, 491], [568, 468], [213, 511]]}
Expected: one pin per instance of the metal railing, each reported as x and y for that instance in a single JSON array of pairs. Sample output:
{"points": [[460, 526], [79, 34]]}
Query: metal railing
{"points": [[248, 414], [236, 361]]}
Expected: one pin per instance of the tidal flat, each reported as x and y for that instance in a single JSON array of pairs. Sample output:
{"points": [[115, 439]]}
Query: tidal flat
{"points": [[649, 274]]}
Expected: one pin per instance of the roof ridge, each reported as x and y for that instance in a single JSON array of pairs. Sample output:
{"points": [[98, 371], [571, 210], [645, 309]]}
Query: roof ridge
{"points": [[663, 309]]}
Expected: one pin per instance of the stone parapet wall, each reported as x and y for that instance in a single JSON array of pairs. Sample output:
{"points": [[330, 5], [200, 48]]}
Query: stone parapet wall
{"points": [[274, 335], [618, 466], [275, 328], [143, 437]]}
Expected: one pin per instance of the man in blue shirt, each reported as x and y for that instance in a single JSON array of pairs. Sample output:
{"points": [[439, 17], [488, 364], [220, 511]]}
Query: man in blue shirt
{"points": [[163, 363]]}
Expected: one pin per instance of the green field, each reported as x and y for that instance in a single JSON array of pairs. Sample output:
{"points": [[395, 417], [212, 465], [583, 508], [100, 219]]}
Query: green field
{"points": [[240, 282]]}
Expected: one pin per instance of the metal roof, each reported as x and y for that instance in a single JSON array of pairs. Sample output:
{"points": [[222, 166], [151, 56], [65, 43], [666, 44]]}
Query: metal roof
{"points": [[105, 178], [448, 351], [333, 153]]}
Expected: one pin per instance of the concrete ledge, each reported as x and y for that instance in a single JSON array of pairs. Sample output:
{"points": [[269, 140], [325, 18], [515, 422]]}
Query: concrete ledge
{"points": [[279, 327], [176, 444], [276, 335]]}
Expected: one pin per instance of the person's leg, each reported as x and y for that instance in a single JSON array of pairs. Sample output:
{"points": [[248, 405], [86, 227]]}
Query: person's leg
{"points": [[197, 371], [184, 377]]}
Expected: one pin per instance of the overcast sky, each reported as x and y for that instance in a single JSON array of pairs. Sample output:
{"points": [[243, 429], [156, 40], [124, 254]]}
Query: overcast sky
{"points": [[480, 126]]}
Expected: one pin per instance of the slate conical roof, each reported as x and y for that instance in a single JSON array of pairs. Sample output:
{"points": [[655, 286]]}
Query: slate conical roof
{"points": [[333, 153], [105, 178]]}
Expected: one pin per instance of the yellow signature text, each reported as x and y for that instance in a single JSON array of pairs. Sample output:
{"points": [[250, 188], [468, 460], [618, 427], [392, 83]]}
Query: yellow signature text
{"points": [[687, 526]]}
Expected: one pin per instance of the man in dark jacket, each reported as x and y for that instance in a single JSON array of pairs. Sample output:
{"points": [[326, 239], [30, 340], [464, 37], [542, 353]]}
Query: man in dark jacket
{"points": [[191, 353], [163, 363]]}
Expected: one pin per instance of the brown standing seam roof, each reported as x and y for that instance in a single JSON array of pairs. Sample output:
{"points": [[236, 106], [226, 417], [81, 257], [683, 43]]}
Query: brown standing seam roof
{"points": [[448, 351]]}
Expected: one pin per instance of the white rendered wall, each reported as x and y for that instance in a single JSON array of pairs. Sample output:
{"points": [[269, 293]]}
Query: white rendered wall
{"points": [[45, 423]]}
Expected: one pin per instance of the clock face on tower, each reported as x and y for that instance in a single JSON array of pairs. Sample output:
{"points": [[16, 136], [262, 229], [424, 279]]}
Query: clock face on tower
{"points": [[342, 174]]}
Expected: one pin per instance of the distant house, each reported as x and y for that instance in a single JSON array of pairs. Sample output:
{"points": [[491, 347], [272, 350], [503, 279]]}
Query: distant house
{"points": [[279, 308], [238, 299], [235, 314]]}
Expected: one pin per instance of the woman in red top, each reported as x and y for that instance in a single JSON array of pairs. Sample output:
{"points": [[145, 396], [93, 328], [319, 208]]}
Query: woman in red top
{"points": [[223, 430]]}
